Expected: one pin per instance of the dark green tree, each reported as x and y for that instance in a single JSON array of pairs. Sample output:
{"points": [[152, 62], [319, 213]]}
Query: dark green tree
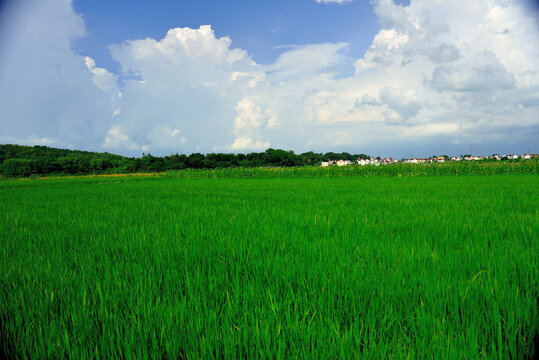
{"points": [[17, 167]]}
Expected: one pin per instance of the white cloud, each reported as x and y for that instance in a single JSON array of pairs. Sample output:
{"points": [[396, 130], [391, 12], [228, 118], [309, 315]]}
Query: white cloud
{"points": [[163, 137], [481, 71], [31, 141], [189, 80], [306, 61], [103, 79], [117, 139], [106, 82], [438, 75], [403, 102], [46, 90], [444, 53], [244, 143], [249, 115]]}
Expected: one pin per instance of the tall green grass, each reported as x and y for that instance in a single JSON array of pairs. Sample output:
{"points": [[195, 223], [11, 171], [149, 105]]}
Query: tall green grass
{"points": [[351, 267], [399, 170]]}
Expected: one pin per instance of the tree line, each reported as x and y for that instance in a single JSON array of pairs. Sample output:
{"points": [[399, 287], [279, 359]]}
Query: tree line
{"points": [[19, 160]]}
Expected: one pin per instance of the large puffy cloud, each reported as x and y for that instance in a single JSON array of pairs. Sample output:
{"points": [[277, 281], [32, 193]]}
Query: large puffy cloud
{"points": [[437, 77], [187, 83], [453, 73], [47, 95], [450, 73], [479, 72], [431, 76]]}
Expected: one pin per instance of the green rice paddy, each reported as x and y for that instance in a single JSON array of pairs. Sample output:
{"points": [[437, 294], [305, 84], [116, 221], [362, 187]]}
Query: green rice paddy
{"points": [[435, 267]]}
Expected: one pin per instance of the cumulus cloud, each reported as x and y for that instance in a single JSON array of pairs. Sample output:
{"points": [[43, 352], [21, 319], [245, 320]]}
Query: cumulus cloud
{"points": [[481, 71], [444, 53], [403, 102], [117, 139], [306, 61], [190, 81], [245, 143], [437, 77], [46, 90]]}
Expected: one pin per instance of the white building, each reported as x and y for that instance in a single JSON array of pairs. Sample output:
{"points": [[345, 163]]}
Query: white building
{"points": [[371, 161], [474, 158], [343, 162], [362, 162]]}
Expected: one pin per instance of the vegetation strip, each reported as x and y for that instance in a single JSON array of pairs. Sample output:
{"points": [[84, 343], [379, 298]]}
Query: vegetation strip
{"points": [[27, 161]]}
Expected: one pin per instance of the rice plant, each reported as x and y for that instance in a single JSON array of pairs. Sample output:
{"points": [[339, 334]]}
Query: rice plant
{"points": [[286, 267]]}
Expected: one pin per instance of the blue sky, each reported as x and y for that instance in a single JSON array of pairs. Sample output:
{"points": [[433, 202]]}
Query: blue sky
{"points": [[260, 27], [388, 78]]}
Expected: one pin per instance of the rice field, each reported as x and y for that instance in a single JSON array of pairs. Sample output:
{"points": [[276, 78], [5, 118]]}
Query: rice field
{"points": [[430, 267]]}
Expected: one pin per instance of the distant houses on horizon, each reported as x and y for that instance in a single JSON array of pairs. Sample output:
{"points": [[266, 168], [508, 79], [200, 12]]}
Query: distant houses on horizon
{"points": [[434, 159]]}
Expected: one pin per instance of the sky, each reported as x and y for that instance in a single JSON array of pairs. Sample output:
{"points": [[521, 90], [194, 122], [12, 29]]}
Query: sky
{"points": [[382, 77]]}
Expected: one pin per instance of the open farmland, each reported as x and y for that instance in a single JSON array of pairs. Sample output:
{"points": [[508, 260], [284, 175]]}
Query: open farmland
{"points": [[337, 267]]}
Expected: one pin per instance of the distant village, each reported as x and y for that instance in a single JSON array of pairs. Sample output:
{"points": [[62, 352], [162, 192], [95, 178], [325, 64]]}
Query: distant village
{"points": [[434, 159]]}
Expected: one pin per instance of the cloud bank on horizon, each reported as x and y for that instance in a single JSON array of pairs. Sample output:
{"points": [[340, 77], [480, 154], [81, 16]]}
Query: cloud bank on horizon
{"points": [[438, 77]]}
